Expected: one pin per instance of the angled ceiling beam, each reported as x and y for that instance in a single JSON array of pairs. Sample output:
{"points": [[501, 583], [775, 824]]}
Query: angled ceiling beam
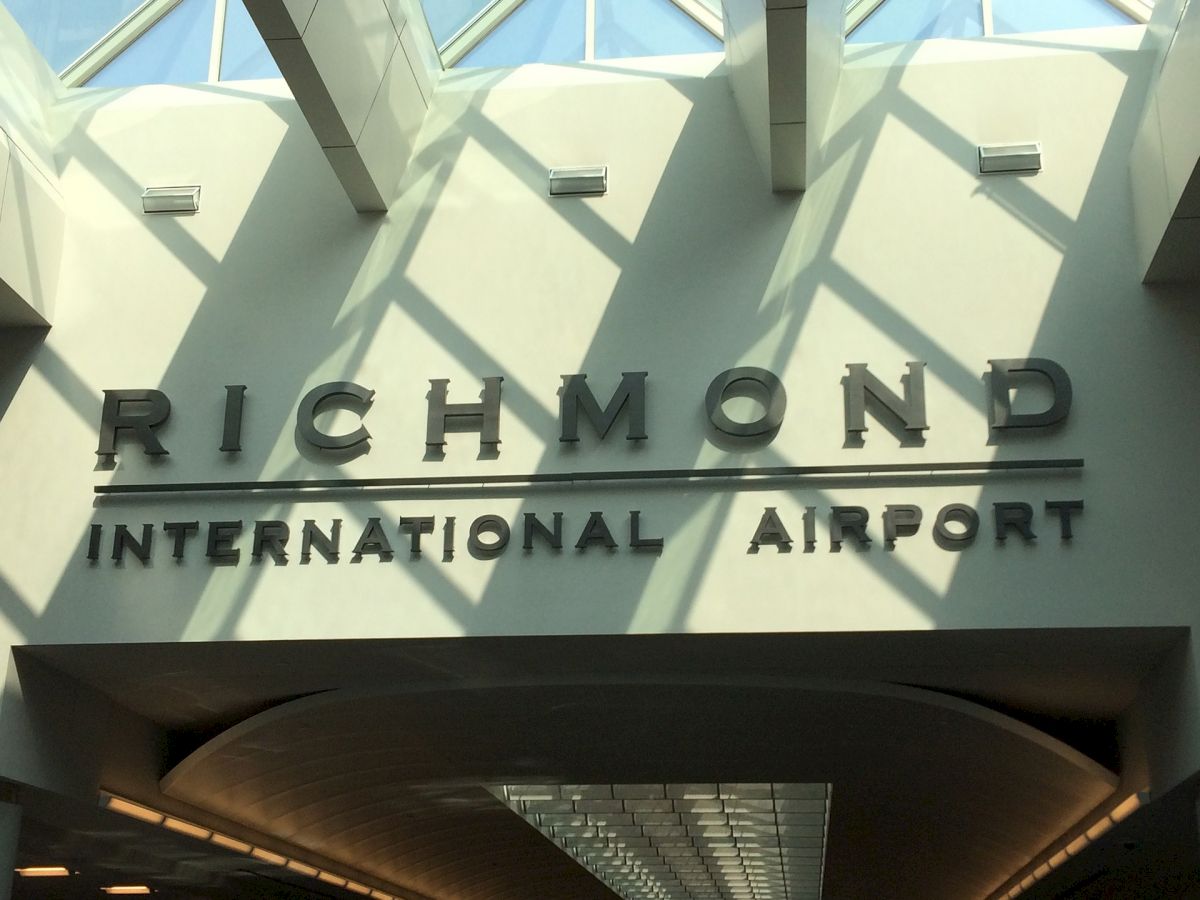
{"points": [[363, 74], [785, 60], [32, 210], [1165, 162], [124, 33]]}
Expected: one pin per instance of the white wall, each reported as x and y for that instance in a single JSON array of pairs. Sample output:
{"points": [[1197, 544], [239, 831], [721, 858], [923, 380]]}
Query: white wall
{"points": [[689, 266]]}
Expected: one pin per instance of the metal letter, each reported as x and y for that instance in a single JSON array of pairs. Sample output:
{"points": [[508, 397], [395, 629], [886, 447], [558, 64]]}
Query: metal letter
{"points": [[636, 541], [746, 381], [327, 545], [770, 530], [271, 535], [1001, 384], [123, 540], [447, 538], [1064, 508], [810, 528], [850, 520], [955, 540], [900, 521], [180, 531], [442, 414], [488, 549], [534, 526], [343, 393], [595, 532], [114, 419], [220, 542], [577, 396], [231, 436], [417, 526], [94, 533], [910, 410], [1014, 515], [373, 540]]}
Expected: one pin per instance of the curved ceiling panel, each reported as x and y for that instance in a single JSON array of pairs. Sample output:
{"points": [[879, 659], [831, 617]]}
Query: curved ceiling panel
{"points": [[933, 797]]}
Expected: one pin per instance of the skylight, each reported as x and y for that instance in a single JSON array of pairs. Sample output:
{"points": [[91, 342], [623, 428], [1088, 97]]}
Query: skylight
{"points": [[915, 20], [515, 32], [125, 42], [64, 29], [128, 42]]}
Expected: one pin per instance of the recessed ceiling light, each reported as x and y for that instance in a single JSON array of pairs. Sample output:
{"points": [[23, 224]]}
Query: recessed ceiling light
{"points": [[223, 840], [186, 828], [182, 826], [43, 872], [135, 810], [686, 841], [268, 857]]}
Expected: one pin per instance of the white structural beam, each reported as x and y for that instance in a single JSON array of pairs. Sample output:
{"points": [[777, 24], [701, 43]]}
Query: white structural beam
{"points": [[363, 74], [785, 58], [31, 207], [1166, 153]]}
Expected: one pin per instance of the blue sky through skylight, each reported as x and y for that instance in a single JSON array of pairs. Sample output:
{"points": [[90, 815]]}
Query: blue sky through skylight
{"points": [[915, 20], [63, 29], [175, 51]]}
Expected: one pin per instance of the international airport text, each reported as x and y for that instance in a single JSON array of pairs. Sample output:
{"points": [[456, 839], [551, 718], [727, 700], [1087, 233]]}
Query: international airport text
{"points": [[955, 527]]}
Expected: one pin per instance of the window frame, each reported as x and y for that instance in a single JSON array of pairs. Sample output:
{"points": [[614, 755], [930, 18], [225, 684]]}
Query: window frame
{"points": [[858, 11]]}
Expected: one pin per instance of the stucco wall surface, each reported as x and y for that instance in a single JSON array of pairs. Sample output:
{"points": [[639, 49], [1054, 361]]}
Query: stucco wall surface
{"points": [[687, 267]]}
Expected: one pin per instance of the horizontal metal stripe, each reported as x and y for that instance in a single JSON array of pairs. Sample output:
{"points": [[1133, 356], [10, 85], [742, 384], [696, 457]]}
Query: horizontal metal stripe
{"points": [[592, 477]]}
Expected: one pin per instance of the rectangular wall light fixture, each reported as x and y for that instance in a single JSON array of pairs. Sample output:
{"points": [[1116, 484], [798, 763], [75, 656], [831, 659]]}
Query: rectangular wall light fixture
{"points": [[178, 199], [43, 872], [1010, 159], [579, 181]]}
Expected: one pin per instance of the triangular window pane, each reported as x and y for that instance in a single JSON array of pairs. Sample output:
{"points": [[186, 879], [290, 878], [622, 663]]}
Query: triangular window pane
{"points": [[918, 20], [446, 17], [648, 28], [63, 29], [175, 51], [1014, 16], [244, 54], [539, 31]]}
